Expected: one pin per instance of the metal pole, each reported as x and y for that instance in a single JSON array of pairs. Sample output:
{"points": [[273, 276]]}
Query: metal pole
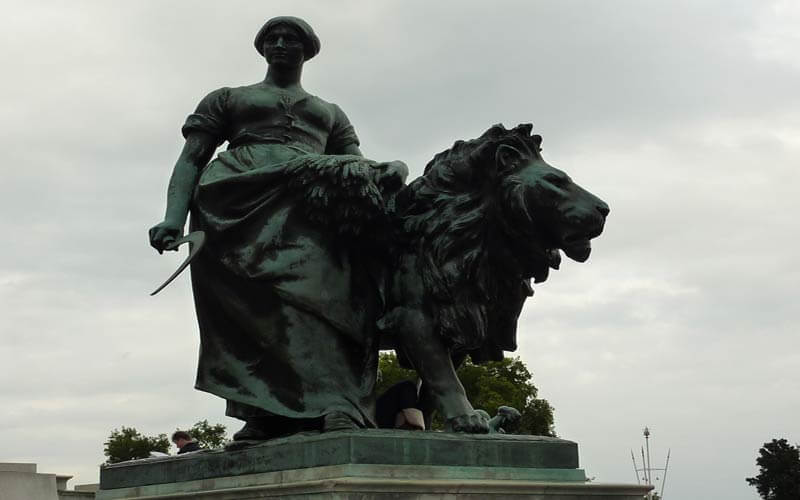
{"points": [[647, 445], [664, 479], [635, 470]]}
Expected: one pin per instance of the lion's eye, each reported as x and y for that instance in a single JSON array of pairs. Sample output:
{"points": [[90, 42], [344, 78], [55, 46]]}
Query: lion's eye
{"points": [[555, 180]]}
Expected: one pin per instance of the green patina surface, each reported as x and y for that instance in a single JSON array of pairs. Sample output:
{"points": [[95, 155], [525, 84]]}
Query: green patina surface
{"points": [[314, 253], [455, 456]]}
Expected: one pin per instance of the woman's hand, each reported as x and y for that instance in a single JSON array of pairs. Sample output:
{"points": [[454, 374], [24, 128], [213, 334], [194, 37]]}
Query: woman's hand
{"points": [[392, 175], [164, 233], [195, 155]]}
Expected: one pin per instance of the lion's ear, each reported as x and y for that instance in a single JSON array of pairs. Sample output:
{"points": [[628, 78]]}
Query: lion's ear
{"points": [[508, 157]]}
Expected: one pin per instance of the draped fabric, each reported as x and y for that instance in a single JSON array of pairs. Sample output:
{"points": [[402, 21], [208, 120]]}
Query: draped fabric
{"points": [[285, 296]]}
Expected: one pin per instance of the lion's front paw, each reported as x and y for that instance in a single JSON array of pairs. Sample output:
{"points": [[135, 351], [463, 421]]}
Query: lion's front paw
{"points": [[506, 417], [473, 422]]}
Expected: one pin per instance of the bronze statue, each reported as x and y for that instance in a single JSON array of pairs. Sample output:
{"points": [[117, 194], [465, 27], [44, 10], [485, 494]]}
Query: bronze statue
{"points": [[312, 252], [486, 216], [285, 289]]}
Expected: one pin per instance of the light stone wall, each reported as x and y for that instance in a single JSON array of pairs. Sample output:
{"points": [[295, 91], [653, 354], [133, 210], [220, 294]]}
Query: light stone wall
{"points": [[27, 486], [17, 467], [20, 481]]}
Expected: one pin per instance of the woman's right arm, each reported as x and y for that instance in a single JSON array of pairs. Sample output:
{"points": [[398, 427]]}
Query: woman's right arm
{"points": [[195, 155]]}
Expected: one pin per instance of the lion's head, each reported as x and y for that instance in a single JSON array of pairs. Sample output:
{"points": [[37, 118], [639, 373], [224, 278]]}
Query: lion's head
{"points": [[543, 210], [487, 215]]}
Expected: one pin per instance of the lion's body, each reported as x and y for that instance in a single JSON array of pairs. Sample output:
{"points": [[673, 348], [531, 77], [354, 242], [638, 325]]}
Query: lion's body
{"points": [[474, 229]]}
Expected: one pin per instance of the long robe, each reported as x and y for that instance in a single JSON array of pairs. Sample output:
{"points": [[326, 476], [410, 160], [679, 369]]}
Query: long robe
{"points": [[286, 302]]}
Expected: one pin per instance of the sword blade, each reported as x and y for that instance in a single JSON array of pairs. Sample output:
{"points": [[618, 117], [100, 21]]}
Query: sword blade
{"points": [[196, 240]]}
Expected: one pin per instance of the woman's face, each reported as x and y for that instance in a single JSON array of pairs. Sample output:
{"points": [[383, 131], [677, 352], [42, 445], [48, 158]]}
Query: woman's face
{"points": [[283, 47]]}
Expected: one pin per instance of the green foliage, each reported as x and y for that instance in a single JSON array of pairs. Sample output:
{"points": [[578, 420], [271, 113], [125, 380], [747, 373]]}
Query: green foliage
{"points": [[390, 372], [129, 444], [208, 436], [508, 382], [779, 471], [488, 386]]}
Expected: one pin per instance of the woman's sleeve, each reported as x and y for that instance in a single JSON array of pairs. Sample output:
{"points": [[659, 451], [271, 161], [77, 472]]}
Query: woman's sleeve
{"points": [[211, 116], [342, 133]]}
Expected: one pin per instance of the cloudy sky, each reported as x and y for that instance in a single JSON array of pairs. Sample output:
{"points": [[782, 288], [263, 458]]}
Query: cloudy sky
{"points": [[683, 115]]}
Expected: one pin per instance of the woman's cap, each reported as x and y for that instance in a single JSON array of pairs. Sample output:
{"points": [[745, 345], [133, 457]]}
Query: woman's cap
{"points": [[311, 43]]}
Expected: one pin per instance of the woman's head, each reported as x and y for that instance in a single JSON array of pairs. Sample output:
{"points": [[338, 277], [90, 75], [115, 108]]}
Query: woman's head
{"points": [[287, 30]]}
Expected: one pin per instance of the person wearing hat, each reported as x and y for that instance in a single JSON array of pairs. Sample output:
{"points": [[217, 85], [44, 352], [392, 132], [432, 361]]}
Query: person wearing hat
{"points": [[286, 299]]}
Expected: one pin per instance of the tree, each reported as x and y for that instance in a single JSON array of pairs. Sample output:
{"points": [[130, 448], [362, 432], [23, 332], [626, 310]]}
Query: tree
{"points": [[779, 471], [208, 436], [488, 386], [129, 444], [390, 372]]}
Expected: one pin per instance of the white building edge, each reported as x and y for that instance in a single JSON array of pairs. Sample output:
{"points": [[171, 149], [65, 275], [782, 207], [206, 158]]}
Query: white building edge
{"points": [[20, 481]]}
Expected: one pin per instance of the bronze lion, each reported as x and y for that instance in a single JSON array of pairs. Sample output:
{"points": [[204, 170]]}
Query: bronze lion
{"points": [[486, 217]]}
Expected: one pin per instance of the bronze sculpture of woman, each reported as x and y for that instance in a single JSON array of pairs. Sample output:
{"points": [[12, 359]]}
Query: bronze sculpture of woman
{"points": [[286, 306]]}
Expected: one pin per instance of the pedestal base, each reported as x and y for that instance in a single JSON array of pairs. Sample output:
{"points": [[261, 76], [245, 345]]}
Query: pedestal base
{"points": [[365, 465]]}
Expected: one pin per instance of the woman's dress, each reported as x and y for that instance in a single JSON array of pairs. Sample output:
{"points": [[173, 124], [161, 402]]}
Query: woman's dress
{"points": [[285, 301]]}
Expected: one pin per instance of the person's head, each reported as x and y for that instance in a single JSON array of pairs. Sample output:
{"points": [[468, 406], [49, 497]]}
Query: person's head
{"points": [[181, 438], [287, 41]]}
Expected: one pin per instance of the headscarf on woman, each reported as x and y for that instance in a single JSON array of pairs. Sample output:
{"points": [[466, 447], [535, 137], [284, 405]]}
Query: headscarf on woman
{"points": [[311, 43]]}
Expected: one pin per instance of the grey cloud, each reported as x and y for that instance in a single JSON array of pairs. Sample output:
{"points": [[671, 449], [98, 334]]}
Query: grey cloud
{"points": [[681, 115]]}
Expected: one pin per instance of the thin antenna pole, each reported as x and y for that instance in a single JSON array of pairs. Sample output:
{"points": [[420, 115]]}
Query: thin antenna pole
{"points": [[635, 470], [664, 479], [647, 469], [647, 444]]}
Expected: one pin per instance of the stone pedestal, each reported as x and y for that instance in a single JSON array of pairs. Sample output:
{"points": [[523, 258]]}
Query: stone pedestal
{"points": [[365, 465]]}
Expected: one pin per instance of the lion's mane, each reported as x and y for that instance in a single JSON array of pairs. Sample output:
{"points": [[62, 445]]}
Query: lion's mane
{"points": [[450, 218]]}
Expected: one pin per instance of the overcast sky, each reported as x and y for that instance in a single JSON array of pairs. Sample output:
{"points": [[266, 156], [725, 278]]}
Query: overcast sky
{"points": [[683, 115]]}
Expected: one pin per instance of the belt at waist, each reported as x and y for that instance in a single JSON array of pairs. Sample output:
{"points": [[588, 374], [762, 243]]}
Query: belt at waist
{"points": [[286, 140]]}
